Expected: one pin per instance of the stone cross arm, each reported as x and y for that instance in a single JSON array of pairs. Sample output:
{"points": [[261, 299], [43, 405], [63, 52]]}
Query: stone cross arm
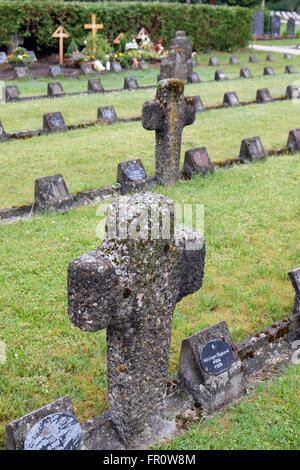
{"points": [[96, 292], [153, 114]]}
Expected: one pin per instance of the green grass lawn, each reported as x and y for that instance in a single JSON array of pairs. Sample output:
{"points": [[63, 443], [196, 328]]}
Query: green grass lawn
{"points": [[252, 224], [88, 158]]}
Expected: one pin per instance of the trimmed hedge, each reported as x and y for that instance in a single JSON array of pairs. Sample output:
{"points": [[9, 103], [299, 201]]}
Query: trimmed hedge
{"points": [[219, 28]]}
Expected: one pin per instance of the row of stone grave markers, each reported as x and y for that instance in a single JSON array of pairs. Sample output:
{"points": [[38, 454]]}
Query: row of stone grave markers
{"points": [[54, 122], [51, 192], [108, 291], [233, 60]]}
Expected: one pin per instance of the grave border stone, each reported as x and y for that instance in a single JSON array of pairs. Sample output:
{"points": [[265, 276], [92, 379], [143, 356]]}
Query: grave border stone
{"points": [[292, 92], [263, 95], [49, 127], [107, 114], [11, 93], [55, 89], [231, 99], [51, 193], [293, 142], [290, 69], [95, 86], [245, 73], [268, 71], [248, 153], [191, 166], [128, 185], [131, 83], [220, 75], [213, 61]]}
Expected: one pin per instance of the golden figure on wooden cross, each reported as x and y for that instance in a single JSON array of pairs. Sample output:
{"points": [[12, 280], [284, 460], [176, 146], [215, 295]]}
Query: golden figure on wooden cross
{"points": [[61, 33], [94, 28]]}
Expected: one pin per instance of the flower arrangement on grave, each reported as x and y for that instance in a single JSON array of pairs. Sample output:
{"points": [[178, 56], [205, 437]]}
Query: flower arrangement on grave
{"points": [[19, 57]]}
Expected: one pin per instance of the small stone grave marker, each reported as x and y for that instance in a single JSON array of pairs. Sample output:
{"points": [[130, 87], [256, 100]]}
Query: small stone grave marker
{"points": [[11, 93], [131, 176], [291, 27], [233, 60], [57, 431], [269, 71], [130, 83], [20, 72], [253, 59], [55, 70], [252, 149], [95, 86], [213, 61], [220, 75], [86, 69], [290, 69], [210, 368], [3, 58], [263, 95], [294, 276], [143, 65], [292, 92], [287, 56], [199, 107], [32, 56], [245, 73], [51, 193], [231, 99], [293, 142], [116, 67], [17, 431], [55, 89], [54, 122], [107, 114], [3, 136], [197, 161], [193, 78], [270, 57]]}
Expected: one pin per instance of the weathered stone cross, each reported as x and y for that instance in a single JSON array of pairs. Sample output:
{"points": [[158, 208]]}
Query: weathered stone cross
{"points": [[130, 286], [167, 115]]}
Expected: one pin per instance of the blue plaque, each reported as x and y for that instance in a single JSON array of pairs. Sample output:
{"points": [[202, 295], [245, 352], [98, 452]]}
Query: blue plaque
{"points": [[56, 121], [135, 172], [58, 431], [216, 357]]}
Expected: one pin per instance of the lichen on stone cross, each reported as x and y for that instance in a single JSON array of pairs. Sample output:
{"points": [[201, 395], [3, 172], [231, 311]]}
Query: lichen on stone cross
{"points": [[130, 285], [167, 115]]}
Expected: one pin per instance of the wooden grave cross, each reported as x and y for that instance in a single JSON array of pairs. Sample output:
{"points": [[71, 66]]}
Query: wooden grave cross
{"points": [[94, 28], [61, 33]]}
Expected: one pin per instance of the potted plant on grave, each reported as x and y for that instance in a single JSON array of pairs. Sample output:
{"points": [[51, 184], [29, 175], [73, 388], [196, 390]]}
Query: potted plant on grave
{"points": [[19, 58], [72, 48]]}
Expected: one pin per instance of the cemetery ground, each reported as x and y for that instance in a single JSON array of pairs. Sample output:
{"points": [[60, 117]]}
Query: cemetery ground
{"points": [[252, 223]]}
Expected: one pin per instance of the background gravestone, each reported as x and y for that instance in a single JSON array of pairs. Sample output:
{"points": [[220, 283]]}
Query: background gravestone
{"points": [[253, 59], [130, 83], [20, 72], [107, 114], [258, 24], [231, 99], [86, 68], [290, 69], [197, 161], [54, 122], [17, 430], [3, 58], [95, 86], [210, 368], [51, 192], [143, 65], [193, 78], [270, 58], [32, 55], [245, 73], [116, 67], [263, 95], [55, 70], [55, 89], [293, 143], [199, 107], [3, 136], [269, 71], [287, 56], [131, 176], [213, 61], [291, 27], [11, 93], [220, 75], [233, 60], [292, 92], [252, 149], [168, 114], [275, 22]]}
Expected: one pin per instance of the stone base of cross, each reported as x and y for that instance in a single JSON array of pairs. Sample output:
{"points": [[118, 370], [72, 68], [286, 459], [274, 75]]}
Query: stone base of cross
{"points": [[167, 115], [130, 285]]}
